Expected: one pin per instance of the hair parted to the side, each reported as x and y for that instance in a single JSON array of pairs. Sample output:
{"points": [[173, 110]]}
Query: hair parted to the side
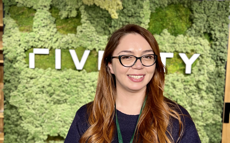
{"points": [[154, 122]]}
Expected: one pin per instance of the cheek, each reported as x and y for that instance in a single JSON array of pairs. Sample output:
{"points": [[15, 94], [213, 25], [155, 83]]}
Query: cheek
{"points": [[121, 72], [151, 70], [118, 69]]}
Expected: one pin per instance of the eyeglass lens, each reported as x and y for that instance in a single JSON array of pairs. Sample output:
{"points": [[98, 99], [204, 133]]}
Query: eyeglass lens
{"points": [[128, 60]]}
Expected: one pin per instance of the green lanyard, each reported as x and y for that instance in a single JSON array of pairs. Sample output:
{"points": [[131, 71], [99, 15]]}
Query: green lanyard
{"points": [[120, 140]]}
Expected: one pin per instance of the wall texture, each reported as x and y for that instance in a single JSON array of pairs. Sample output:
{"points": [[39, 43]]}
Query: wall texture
{"points": [[40, 103]]}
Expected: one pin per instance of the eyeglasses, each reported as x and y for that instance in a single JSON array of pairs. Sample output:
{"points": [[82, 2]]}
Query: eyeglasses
{"points": [[130, 60]]}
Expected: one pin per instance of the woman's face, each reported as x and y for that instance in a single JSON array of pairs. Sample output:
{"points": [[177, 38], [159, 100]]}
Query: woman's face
{"points": [[133, 78]]}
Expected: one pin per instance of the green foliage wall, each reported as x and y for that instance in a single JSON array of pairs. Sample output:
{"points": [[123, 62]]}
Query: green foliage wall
{"points": [[41, 103]]}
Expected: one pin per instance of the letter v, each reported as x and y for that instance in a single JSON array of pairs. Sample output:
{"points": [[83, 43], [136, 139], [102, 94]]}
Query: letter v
{"points": [[79, 65]]}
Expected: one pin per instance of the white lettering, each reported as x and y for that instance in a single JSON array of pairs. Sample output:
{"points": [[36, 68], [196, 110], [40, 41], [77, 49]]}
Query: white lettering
{"points": [[32, 56], [79, 65], [188, 62], [57, 58], [100, 56], [164, 56]]}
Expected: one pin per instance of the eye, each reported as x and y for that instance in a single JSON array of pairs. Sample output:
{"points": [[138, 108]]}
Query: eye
{"points": [[148, 57], [126, 57]]}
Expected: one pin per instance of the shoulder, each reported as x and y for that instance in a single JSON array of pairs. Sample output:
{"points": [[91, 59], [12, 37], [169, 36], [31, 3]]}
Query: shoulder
{"points": [[179, 109], [189, 131], [185, 117], [81, 119], [82, 111], [82, 114], [79, 125]]}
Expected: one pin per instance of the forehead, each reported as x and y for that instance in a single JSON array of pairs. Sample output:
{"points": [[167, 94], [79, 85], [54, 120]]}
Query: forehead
{"points": [[132, 42]]}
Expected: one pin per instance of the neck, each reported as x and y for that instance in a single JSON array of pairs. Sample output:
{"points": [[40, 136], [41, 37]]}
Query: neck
{"points": [[130, 102]]}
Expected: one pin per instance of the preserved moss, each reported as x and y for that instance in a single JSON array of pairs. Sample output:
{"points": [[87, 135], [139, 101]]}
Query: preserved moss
{"points": [[33, 97], [66, 25], [175, 18], [23, 17]]}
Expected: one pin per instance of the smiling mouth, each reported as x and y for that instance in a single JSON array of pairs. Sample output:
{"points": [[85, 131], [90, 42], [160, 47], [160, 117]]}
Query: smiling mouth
{"points": [[136, 77]]}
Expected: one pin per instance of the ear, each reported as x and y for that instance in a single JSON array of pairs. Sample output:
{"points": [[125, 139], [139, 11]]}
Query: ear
{"points": [[110, 68]]}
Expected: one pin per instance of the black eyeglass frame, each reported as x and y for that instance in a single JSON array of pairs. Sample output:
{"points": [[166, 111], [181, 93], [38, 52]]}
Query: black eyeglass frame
{"points": [[119, 57]]}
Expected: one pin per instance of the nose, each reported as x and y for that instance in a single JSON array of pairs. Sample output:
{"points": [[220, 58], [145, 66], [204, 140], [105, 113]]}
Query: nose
{"points": [[138, 64]]}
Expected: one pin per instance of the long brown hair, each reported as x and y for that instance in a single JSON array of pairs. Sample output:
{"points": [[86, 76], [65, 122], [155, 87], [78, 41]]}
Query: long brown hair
{"points": [[157, 113]]}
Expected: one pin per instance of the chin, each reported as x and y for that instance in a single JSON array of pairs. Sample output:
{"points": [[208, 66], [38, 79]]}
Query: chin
{"points": [[135, 89]]}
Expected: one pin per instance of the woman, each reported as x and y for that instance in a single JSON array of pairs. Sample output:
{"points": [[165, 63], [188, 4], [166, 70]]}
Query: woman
{"points": [[129, 105]]}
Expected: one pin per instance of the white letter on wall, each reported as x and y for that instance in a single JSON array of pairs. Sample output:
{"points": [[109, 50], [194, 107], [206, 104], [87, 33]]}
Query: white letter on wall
{"points": [[100, 56], [79, 65], [188, 62], [57, 58], [32, 56], [164, 56]]}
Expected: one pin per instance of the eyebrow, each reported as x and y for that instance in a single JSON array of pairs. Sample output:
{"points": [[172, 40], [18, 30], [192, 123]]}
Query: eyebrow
{"points": [[126, 51], [146, 51]]}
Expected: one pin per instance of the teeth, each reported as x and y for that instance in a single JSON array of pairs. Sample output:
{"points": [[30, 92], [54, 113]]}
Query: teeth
{"points": [[136, 77]]}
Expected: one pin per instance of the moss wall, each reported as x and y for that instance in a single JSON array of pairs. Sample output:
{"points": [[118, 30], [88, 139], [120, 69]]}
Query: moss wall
{"points": [[40, 103]]}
